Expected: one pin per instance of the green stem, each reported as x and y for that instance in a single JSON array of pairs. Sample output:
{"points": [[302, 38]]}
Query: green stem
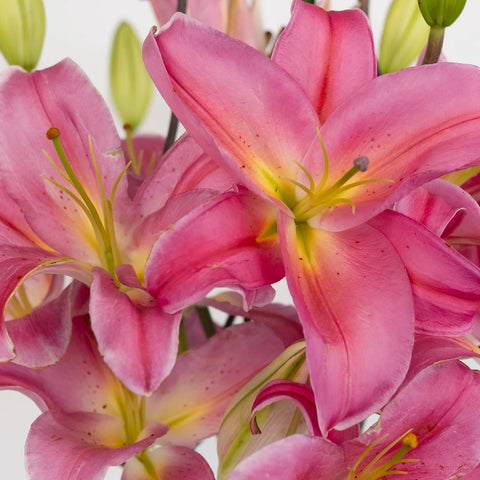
{"points": [[131, 151], [206, 320], [434, 45], [363, 4], [182, 339]]}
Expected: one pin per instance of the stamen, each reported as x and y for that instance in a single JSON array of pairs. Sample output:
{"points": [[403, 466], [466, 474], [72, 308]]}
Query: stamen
{"points": [[375, 470], [52, 133], [360, 164], [103, 228]]}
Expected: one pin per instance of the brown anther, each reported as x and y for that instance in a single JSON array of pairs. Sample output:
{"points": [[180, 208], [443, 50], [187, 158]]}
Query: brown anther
{"points": [[52, 133], [127, 126]]}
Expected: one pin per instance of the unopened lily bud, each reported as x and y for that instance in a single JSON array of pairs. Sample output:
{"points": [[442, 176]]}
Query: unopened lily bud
{"points": [[131, 86], [441, 13], [22, 30], [404, 35]]}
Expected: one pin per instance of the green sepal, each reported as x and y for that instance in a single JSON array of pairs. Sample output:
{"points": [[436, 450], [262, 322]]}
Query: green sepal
{"points": [[130, 83], [404, 35], [441, 13], [22, 30]]}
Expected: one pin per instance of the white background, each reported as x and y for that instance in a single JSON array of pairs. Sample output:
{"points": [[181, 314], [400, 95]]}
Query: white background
{"points": [[83, 30]]}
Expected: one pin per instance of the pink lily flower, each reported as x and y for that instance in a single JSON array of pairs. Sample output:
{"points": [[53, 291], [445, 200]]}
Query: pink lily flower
{"points": [[71, 191], [91, 421], [349, 263], [429, 430], [238, 18]]}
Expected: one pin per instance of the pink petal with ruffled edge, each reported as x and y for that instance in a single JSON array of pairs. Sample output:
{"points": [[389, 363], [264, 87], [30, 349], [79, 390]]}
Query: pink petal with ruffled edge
{"points": [[216, 245], [16, 263], [258, 125], [330, 54], [170, 462], [446, 209], [354, 299], [285, 389], [283, 319], [194, 397], [298, 456], [80, 446], [428, 350], [61, 97], [446, 286], [137, 339], [80, 381], [42, 336]]}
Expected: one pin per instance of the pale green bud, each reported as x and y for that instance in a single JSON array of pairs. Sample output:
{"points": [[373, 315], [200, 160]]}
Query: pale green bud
{"points": [[441, 13], [131, 86], [22, 30], [404, 35]]}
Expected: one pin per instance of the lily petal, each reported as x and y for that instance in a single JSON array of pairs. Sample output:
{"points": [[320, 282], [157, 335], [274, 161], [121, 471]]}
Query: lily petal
{"points": [[184, 167], [345, 286], [440, 406], [217, 244], [297, 456], [80, 381], [409, 137], [79, 446], [445, 285], [170, 462], [274, 122], [205, 387], [330, 54], [445, 209], [42, 336], [285, 389], [429, 350], [141, 348], [61, 97]]}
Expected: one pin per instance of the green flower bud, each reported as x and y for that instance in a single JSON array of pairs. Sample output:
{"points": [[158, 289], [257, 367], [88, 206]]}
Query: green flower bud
{"points": [[22, 30], [404, 35], [131, 86], [441, 13]]}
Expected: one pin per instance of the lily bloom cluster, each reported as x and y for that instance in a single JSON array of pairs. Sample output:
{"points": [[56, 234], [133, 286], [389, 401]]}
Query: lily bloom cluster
{"points": [[360, 189]]}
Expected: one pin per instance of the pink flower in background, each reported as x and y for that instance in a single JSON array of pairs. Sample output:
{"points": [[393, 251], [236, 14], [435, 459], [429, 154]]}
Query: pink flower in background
{"points": [[76, 219], [429, 430], [90, 421], [360, 275], [239, 18]]}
